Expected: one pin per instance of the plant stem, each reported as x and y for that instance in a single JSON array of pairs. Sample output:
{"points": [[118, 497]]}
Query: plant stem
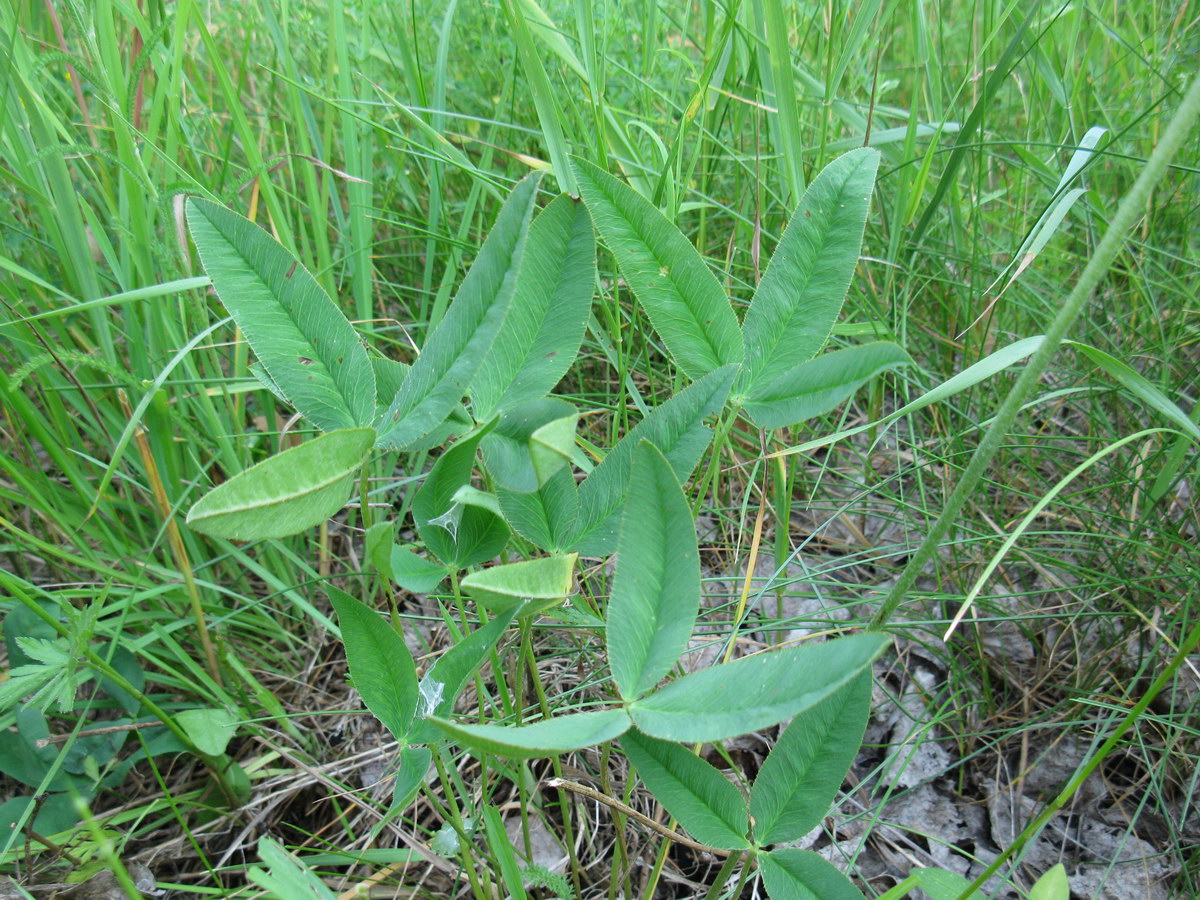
{"points": [[1185, 650], [1131, 208]]}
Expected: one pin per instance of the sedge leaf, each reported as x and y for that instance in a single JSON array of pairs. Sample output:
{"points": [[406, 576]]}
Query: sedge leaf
{"points": [[656, 592], [690, 789], [309, 349], [288, 492], [802, 774], [381, 665], [801, 292], [441, 375], [686, 304], [714, 704]]}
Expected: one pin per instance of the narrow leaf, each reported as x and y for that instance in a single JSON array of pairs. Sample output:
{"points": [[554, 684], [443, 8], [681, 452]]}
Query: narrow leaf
{"points": [[802, 774], [459, 534], [527, 587], [1141, 387], [803, 875], [815, 387], [502, 848], [307, 346], [685, 302], [677, 429], [990, 365], [454, 667], [381, 665], [714, 704], [691, 790], [801, 293], [541, 335], [288, 492], [656, 592], [442, 373], [546, 738], [547, 516]]}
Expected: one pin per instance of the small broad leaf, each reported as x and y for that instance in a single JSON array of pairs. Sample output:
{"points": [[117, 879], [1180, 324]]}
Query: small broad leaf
{"points": [[940, 884], [309, 349], [210, 730], [381, 665], [414, 573], [803, 875], [714, 704], [288, 879], [530, 443], [685, 302], [547, 516], [815, 387], [802, 774], [459, 534], [412, 766], [288, 492], [527, 587], [656, 592], [451, 356], [677, 429], [1053, 885], [540, 337], [691, 790], [801, 292], [546, 738]]}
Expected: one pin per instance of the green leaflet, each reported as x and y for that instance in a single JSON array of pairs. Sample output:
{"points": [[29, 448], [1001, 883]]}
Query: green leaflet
{"points": [[805, 769], [714, 704], [459, 534], [412, 765], [677, 429], [288, 492], [389, 378], [451, 356], [288, 879], [545, 738], [309, 349], [525, 588], [381, 665], [801, 293], [501, 846], [685, 302], [530, 443], [701, 798], [656, 591], [803, 875], [547, 516], [815, 387], [541, 335], [412, 572]]}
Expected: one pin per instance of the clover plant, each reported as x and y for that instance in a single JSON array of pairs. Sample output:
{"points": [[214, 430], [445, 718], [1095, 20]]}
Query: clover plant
{"points": [[511, 333]]}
